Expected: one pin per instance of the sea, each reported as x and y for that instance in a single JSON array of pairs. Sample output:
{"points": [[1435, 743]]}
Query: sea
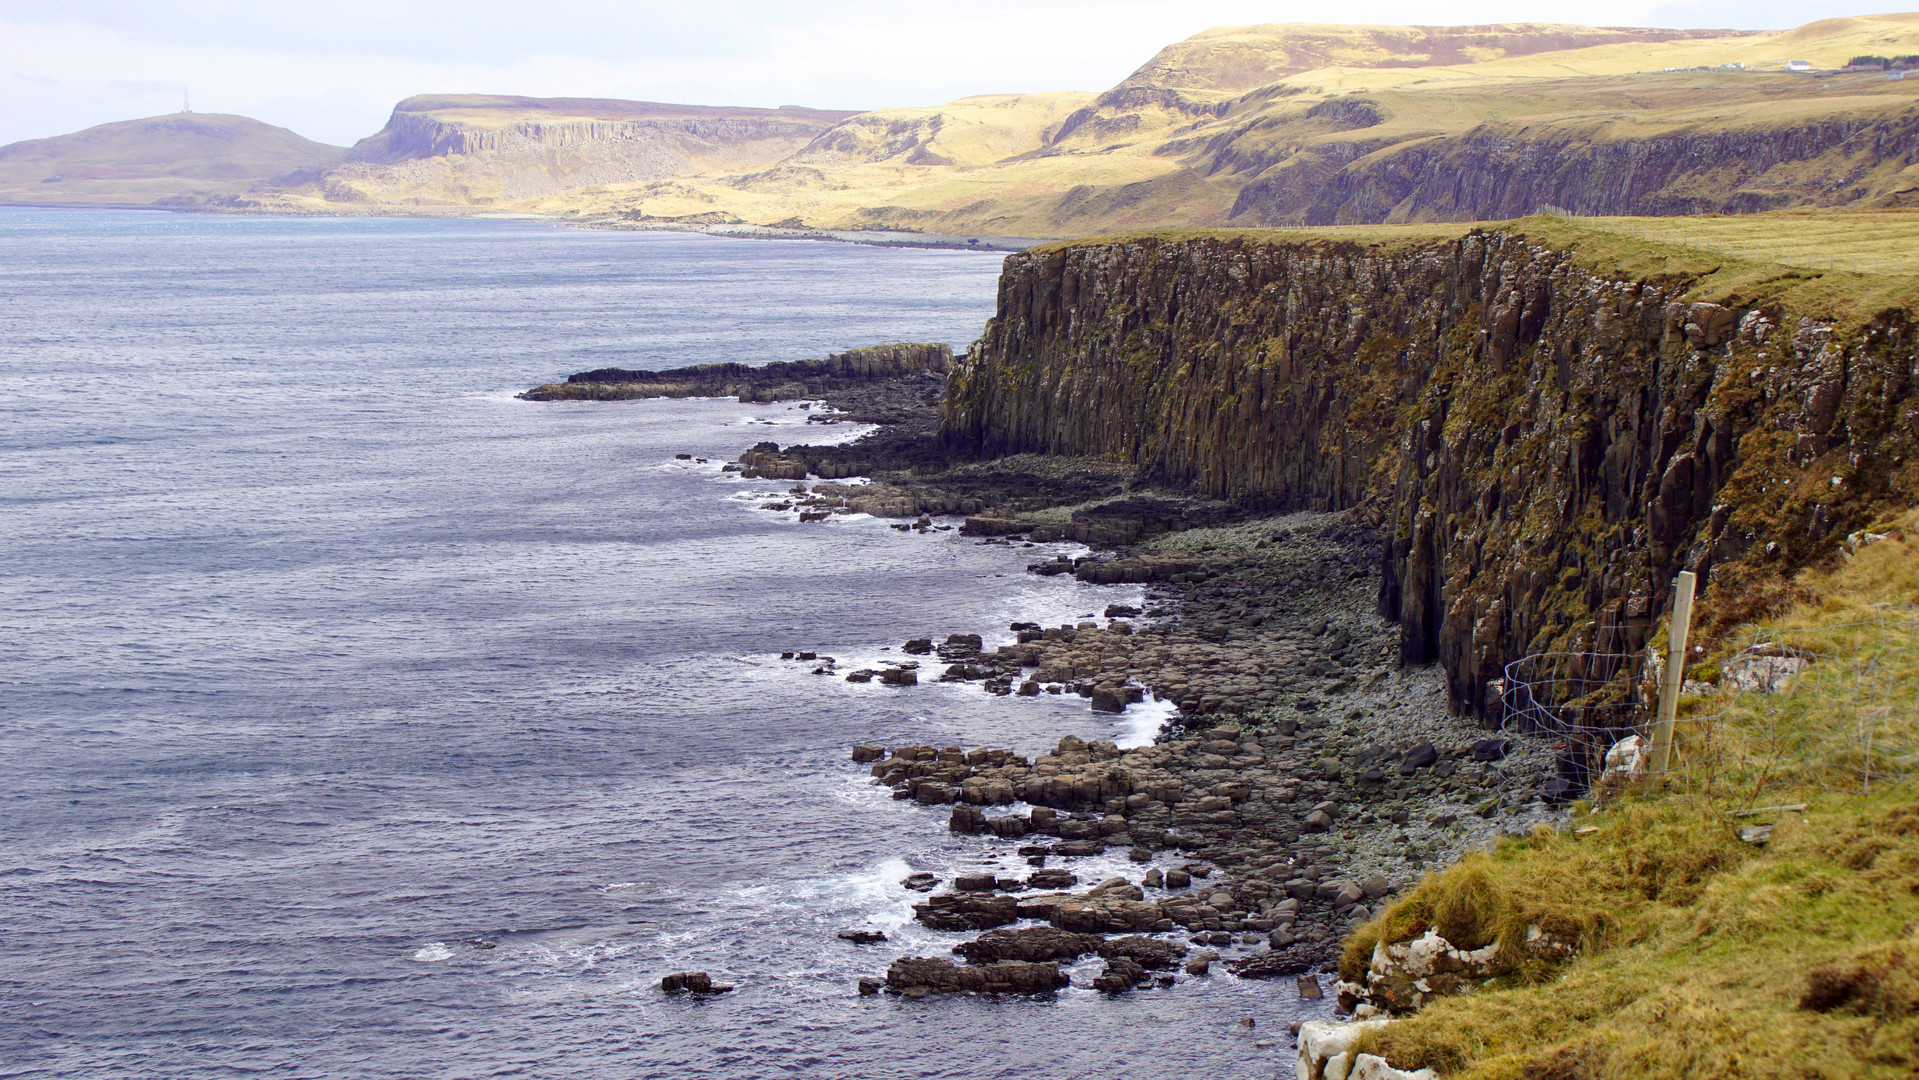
{"points": [[361, 720]]}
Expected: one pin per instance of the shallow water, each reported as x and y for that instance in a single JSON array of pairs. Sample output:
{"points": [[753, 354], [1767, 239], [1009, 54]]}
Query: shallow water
{"points": [[365, 721]]}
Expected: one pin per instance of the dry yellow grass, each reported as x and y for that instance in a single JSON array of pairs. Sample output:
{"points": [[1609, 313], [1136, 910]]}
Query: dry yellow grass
{"points": [[1856, 241], [1175, 144], [1700, 954]]}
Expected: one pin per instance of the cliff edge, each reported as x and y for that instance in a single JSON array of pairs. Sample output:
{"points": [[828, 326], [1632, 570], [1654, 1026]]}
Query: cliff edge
{"points": [[1545, 423]]}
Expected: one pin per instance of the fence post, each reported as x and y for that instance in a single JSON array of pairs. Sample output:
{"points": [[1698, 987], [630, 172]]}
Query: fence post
{"points": [[1671, 679]]}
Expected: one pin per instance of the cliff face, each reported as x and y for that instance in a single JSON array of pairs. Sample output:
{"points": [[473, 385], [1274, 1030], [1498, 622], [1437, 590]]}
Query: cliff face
{"points": [[409, 136], [1501, 171], [1541, 446], [479, 149]]}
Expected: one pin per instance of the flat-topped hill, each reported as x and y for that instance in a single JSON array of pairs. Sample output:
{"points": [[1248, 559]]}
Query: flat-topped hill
{"points": [[1314, 124], [1298, 124], [476, 149], [158, 158], [498, 110]]}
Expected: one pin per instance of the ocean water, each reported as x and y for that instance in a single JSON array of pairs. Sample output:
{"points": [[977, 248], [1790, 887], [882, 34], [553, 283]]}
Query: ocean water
{"points": [[363, 721]]}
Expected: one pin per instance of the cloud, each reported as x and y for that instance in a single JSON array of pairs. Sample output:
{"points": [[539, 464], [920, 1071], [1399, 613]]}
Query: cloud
{"points": [[335, 75]]}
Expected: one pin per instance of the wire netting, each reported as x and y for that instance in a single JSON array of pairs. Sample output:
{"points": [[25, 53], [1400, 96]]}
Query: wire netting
{"points": [[1836, 706]]}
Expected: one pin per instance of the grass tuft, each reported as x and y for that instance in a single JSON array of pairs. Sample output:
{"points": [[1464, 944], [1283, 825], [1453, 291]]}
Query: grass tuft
{"points": [[1700, 954]]}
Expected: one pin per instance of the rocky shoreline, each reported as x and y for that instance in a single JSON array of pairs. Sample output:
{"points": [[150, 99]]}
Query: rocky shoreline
{"points": [[1305, 778]]}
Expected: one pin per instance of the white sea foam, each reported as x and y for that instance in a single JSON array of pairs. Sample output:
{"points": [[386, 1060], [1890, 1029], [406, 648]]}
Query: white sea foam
{"points": [[433, 953], [1141, 722], [872, 895]]}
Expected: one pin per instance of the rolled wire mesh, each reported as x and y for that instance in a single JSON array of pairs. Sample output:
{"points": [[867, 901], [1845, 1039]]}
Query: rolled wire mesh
{"points": [[1585, 701], [1835, 705]]}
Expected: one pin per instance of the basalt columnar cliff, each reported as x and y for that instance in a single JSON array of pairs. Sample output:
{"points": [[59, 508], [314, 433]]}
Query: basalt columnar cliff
{"points": [[1542, 442]]}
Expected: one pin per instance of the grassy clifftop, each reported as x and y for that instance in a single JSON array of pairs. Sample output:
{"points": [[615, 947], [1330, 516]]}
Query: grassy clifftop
{"points": [[1699, 953]]}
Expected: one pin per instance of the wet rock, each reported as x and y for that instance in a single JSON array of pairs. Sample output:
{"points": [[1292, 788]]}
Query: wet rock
{"points": [[863, 937], [920, 882], [966, 911], [692, 982], [899, 677], [931, 793], [939, 976], [1033, 944], [1051, 879], [1121, 975], [1297, 959], [1153, 954]]}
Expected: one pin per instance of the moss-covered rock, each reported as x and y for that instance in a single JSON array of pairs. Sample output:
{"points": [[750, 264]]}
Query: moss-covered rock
{"points": [[1542, 443]]}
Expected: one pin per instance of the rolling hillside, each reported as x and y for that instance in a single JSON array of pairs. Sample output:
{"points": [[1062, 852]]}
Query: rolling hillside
{"points": [[186, 156], [1260, 126]]}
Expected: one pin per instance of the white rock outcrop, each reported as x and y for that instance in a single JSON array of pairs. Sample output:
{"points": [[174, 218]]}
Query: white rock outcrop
{"points": [[1326, 1053]]}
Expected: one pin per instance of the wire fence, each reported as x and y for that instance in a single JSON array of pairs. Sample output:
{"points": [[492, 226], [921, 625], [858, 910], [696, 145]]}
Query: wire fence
{"points": [[1834, 706]]}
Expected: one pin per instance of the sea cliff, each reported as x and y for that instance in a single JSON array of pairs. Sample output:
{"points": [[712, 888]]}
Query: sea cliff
{"points": [[1545, 427]]}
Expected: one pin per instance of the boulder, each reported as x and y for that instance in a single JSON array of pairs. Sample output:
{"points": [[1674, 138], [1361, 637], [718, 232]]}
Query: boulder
{"points": [[1100, 915], [927, 974], [1034, 944], [1154, 954], [966, 911], [1374, 1067], [1492, 749], [692, 982], [1121, 975], [1326, 1047], [1418, 758], [1051, 879]]}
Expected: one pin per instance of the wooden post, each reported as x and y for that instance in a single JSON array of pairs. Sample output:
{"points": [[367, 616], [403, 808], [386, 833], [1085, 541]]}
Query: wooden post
{"points": [[1673, 676]]}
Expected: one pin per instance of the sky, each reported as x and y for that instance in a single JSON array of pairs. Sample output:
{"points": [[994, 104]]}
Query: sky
{"points": [[333, 71]]}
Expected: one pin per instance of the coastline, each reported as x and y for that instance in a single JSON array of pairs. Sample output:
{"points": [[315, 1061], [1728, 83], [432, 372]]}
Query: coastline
{"points": [[742, 231], [1301, 781]]}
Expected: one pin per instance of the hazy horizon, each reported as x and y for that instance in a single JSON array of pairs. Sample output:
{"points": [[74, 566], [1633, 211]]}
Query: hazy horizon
{"points": [[78, 63]]}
